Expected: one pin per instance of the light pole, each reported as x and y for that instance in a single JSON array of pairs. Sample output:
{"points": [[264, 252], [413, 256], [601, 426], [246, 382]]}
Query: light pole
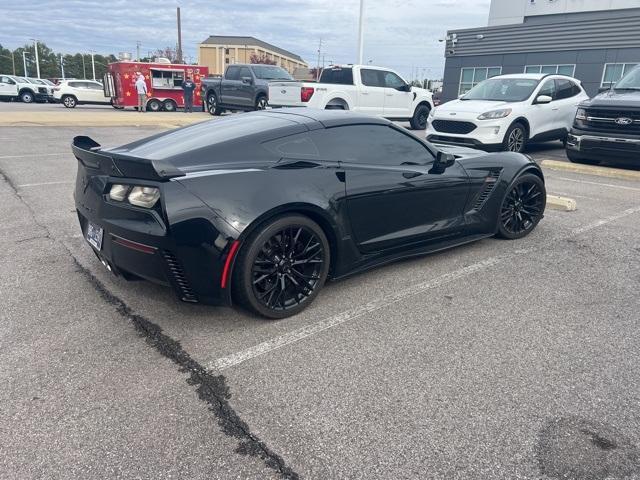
{"points": [[35, 47], [62, 66], [84, 72], [24, 63], [361, 33], [93, 65]]}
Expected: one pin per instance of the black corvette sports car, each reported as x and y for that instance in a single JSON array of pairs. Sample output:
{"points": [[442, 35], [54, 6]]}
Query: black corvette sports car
{"points": [[261, 209]]}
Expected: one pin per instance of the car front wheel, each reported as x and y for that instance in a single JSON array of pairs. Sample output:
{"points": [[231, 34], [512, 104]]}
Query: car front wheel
{"points": [[262, 103], [212, 105], [515, 139], [282, 267], [26, 97], [522, 207], [420, 117]]}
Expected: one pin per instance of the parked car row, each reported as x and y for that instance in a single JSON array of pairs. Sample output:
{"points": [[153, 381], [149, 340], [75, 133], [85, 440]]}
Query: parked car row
{"points": [[27, 90]]}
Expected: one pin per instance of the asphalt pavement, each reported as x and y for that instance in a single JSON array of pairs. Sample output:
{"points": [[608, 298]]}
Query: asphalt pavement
{"points": [[495, 360]]}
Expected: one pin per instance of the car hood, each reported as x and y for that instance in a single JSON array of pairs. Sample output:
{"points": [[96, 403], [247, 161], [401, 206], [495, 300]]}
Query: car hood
{"points": [[460, 152], [614, 99], [469, 106]]}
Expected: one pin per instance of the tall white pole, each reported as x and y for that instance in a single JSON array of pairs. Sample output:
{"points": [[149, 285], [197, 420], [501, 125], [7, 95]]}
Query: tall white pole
{"points": [[24, 63], [93, 67], [361, 33], [35, 44], [62, 66]]}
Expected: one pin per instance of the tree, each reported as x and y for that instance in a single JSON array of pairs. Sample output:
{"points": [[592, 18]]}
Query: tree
{"points": [[6, 63], [261, 59]]}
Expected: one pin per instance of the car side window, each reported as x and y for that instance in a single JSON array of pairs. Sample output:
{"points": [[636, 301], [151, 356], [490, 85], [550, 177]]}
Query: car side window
{"points": [[245, 72], [371, 144], [566, 89], [233, 73], [548, 89], [7, 80], [371, 78], [295, 146], [75, 84], [391, 80]]}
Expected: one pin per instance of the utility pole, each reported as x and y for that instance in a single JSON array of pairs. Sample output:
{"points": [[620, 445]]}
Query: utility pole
{"points": [[62, 66], [361, 34], [35, 47], [24, 63], [138, 50], [179, 37], [93, 65], [318, 64], [84, 72]]}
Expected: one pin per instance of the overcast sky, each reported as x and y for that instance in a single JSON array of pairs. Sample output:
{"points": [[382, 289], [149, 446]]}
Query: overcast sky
{"points": [[401, 34]]}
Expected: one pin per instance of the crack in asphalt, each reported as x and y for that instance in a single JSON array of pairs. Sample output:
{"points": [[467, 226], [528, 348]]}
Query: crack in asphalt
{"points": [[211, 389]]}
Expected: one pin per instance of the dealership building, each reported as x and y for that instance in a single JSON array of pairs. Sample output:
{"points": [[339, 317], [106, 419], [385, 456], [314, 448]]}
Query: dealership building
{"points": [[595, 41]]}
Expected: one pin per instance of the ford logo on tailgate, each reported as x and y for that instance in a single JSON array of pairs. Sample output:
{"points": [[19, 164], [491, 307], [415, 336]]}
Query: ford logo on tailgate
{"points": [[624, 121], [283, 91]]}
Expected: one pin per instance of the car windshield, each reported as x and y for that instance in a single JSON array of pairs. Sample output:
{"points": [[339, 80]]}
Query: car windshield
{"points": [[502, 90], [270, 72], [21, 80], [631, 81]]}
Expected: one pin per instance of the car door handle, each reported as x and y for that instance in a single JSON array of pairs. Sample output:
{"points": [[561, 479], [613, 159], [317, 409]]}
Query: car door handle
{"points": [[389, 94], [364, 93]]}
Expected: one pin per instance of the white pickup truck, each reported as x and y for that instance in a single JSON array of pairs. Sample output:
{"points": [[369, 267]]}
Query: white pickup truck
{"points": [[362, 88]]}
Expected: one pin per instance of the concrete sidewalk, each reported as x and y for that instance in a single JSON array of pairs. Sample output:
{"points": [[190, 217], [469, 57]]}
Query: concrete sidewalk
{"points": [[100, 118]]}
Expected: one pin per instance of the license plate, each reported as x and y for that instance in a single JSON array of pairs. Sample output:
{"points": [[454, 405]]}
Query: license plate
{"points": [[94, 236]]}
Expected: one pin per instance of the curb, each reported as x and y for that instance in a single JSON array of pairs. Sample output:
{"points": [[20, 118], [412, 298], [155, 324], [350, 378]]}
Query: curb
{"points": [[563, 204], [101, 119], [592, 170]]}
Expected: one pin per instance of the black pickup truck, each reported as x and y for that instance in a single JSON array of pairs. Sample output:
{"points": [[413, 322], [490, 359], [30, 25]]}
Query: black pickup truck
{"points": [[607, 127], [243, 87]]}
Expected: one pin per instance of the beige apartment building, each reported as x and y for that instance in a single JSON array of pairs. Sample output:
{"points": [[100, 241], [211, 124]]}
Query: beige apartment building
{"points": [[218, 51]]}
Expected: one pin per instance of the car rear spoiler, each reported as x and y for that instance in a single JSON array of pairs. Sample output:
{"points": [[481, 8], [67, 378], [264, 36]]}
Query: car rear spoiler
{"points": [[87, 152]]}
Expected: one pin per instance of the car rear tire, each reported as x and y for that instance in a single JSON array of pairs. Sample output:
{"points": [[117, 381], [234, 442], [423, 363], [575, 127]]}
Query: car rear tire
{"points": [[212, 105], [27, 97], [261, 103], [420, 117], [154, 105], [169, 106], [282, 267], [522, 207], [515, 140], [576, 158], [69, 101]]}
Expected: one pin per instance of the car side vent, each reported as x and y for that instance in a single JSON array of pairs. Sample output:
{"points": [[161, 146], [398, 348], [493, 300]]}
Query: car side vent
{"points": [[178, 277], [490, 183], [295, 165]]}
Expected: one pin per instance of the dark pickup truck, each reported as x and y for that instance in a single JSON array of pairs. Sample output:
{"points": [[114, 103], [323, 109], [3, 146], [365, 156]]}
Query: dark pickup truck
{"points": [[607, 127], [243, 87]]}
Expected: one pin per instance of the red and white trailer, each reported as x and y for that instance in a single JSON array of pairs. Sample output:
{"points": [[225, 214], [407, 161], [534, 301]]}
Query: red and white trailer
{"points": [[164, 84]]}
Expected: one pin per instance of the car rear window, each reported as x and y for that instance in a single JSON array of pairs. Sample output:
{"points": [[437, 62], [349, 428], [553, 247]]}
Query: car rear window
{"points": [[340, 76]]}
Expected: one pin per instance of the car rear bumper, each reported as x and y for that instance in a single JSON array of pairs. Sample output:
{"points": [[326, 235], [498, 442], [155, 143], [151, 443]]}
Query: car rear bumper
{"points": [[604, 146]]}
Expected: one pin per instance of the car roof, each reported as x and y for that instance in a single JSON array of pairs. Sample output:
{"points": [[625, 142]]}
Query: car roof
{"points": [[533, 76], [328, 118]]}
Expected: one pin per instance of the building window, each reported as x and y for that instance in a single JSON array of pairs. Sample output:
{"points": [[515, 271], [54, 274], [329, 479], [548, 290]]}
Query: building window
{"points": [[470, 77], [567, 70], [614, 72], [226, 60], [226, 51]]}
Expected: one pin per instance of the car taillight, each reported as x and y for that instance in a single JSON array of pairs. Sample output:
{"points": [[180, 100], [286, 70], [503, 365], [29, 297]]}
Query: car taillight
{"points": [[306, 93]]}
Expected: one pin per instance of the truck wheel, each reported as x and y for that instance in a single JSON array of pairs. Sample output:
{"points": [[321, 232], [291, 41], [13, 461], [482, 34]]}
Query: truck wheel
{"points": [[26, 97], [169, 106], [262, 103], [69, 101], [154, 105], [212, 105], [420, 117]]}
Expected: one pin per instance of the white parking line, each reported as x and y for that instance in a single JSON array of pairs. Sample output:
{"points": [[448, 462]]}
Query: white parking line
{"points": [[33, 155], [622, 187], [304, 332], [24, 185]]}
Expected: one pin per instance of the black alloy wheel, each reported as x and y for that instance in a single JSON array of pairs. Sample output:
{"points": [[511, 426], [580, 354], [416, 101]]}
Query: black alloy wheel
{"points": [[522, 207], [262, 103], [282, 267], [515, 139], [212, 105], [420, 118]]}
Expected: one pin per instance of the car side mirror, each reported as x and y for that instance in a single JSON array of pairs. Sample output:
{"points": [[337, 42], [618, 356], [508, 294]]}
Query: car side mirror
{"points": [[247, 80], [404, 88], [443, 161], [543, 99], [604, 89]]}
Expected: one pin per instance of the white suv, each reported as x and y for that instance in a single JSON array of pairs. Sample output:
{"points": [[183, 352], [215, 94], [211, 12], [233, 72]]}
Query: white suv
{"points": [[78, 92], [509, 111]]}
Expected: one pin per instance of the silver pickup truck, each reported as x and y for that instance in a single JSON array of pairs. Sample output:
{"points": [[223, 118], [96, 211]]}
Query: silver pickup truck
{"points": [[243, 87]]}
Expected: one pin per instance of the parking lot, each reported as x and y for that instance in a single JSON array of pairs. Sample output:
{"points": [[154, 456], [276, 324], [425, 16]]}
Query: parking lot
{"points": [[494, 360]]}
